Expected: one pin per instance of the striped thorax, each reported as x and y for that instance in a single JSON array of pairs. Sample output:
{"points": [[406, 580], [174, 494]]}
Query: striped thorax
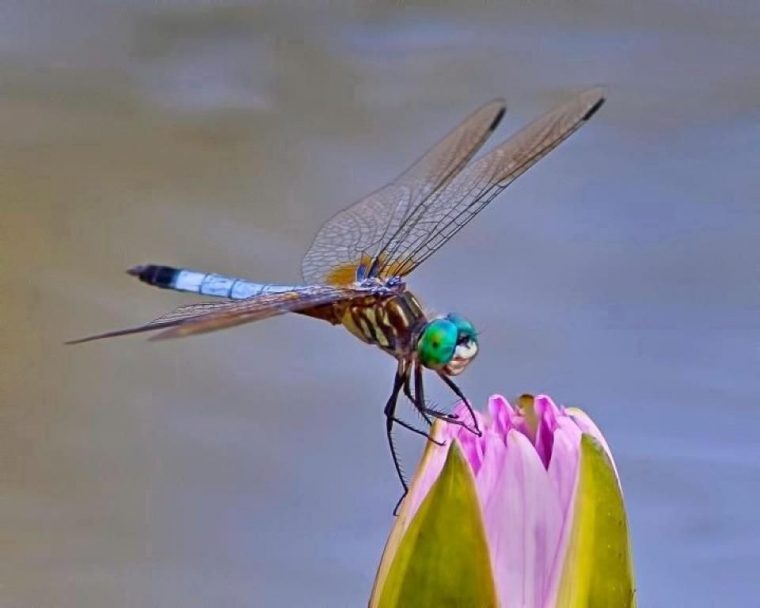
{"points": [[391, 323]]}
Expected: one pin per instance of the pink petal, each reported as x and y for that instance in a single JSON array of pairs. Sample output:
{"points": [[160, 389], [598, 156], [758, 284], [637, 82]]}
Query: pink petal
{"points": [[547, 414], [501, 414], [563, 473], [491, 472], [472, 449], [563, 466], [523, 519]]}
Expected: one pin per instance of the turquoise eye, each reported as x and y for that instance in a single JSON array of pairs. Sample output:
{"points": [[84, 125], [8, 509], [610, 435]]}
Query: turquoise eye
{"points": [[436, 345], [465, 329]]}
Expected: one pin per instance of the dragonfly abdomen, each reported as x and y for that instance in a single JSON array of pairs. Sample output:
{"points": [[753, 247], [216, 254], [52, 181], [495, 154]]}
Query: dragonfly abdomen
{"points": [[203, 283]]}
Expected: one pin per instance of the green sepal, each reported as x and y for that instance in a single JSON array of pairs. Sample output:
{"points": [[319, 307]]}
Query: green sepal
{"points": [[598, 570], [443, 558]]}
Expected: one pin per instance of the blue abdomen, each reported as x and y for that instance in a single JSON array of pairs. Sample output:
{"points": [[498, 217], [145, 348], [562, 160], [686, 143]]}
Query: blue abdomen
{"points": [[203, 283]]}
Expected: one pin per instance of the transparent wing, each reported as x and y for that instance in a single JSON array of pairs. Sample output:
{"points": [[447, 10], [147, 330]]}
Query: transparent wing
{"points": [[210, 316], [356, 234], [443, 214]]}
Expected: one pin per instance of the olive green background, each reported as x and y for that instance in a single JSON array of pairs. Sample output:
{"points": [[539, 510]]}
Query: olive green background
{"points": [[249, 468]]}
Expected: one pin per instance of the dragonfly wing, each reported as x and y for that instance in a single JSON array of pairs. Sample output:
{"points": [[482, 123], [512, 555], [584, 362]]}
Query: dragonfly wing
{"points": [[442, 215], [210, 316], [356, 234]]}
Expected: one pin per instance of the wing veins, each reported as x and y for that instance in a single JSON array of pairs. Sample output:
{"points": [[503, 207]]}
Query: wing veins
{"points": [[433, 194], [487, 186], [492, 181], [355, 234], [209, 316]]}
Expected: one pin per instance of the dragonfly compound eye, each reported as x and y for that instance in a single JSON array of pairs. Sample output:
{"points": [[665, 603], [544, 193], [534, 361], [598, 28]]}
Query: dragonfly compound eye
{"points": [[437, 343], [465, 329], [466, 347]]}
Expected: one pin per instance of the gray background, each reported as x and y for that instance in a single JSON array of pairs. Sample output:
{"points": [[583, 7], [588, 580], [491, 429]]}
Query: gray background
{"points": [[249, 468]]}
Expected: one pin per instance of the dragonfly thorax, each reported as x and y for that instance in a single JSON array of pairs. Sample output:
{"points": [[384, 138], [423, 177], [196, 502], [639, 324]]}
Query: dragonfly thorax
{"points": [[447, 344], [392, 323]]}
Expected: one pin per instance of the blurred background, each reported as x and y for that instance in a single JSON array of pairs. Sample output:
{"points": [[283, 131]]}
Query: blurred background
{"points": [[249, 467]]}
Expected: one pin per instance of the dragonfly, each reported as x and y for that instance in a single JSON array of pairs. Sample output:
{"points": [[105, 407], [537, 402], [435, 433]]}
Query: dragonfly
{"points": [[354, 272]]}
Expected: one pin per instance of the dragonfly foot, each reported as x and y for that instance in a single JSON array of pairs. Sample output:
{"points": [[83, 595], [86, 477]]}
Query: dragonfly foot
{"points": [[399, 503], [441, 415], [475, 429]]}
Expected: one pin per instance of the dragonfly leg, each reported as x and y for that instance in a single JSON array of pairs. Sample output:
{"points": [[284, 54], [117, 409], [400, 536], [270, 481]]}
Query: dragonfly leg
{"points": [[406, 425], [414, 429], [390, 418], [420, 404], [415, 401], [475, 429]]}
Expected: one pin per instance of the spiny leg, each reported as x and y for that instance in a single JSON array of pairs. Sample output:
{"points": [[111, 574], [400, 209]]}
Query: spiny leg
{"points": [[422, 412], [414, 400], [414, 429], [459, 394], [419, 402], [390, 418]]}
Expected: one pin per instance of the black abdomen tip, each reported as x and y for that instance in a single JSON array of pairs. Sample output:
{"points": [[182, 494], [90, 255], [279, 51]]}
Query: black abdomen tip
{"points": [[160, 276]]}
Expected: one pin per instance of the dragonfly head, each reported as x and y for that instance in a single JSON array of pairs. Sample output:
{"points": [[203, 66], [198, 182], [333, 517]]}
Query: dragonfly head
{"points": [[447, 344]]}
